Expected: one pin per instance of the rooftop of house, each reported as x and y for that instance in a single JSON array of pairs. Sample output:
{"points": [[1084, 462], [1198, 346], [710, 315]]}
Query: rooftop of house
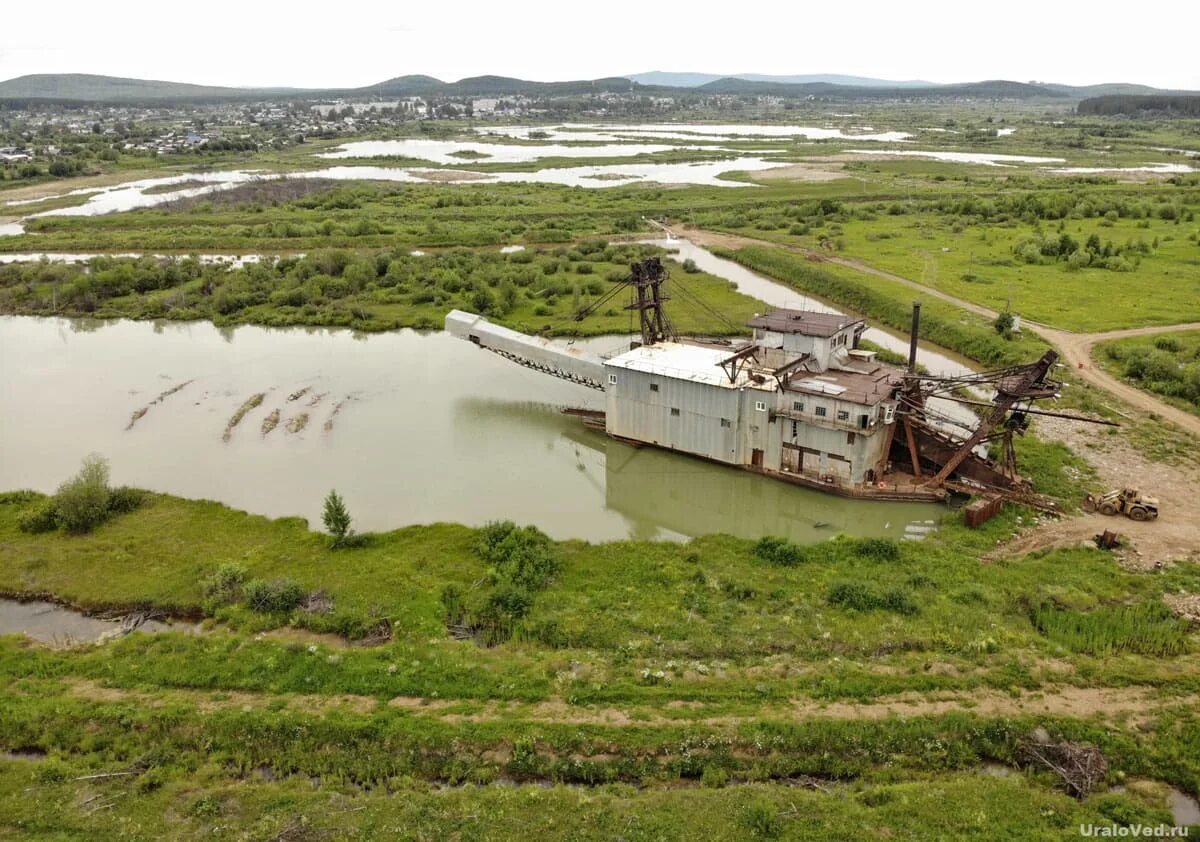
{"points": [[806, 322]]}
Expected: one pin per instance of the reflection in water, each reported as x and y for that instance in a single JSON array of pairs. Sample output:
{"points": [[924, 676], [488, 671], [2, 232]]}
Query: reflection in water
{"points": [[431, 429], [669, 495]]}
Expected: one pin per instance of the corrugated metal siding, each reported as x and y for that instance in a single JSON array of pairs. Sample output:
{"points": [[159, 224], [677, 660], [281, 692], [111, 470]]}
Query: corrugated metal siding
{"points": [[635, 411]]}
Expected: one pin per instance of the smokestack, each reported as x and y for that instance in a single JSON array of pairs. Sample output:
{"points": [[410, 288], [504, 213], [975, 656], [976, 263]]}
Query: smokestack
{"points": [[912, 340]]}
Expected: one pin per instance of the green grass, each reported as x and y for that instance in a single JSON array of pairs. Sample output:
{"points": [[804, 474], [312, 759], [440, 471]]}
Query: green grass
{"points": [[1167, 364], [212, 805], [693, 612], [967, 246], [1149, 629]]}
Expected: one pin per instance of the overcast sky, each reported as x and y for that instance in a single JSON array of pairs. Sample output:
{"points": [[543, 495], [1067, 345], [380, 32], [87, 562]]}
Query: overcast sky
{"points": [[350, 43]]}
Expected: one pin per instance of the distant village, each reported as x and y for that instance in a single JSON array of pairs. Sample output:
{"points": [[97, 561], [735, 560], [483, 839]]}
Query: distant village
{"points": [[49, 132]]}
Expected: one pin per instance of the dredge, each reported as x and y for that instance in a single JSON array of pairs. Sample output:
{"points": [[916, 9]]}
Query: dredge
{"points": [[800, 401]]}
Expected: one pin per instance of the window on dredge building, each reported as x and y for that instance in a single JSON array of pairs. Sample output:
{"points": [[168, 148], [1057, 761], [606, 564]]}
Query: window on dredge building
{"points": [[612, 380], [797, 406], [725, 422], [843, 415], [820, 411], [653, 387], [760, 406], [674, 412]]}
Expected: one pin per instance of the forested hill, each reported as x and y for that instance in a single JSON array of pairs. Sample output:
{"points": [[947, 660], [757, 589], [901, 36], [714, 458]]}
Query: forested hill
{"points": [[86, 88], [83, 86], [1158, 105]]}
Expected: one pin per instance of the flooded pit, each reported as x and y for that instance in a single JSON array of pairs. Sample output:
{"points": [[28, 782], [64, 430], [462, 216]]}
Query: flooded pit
{"points": [[414, 428]]}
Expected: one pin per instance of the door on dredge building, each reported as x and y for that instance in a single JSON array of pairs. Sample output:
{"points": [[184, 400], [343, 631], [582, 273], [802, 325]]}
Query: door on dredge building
{"points": [[790, 461], [756, 458]]}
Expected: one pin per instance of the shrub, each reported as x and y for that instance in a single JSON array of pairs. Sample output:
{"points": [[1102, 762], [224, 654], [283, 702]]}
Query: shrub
{"points": [[862, 597], [81, 503], [41, 518], [714, 777], [1004, 324], [225, 585], [19, 497], [761, 818], [854, 595], [883, 549], [124, 499], [779, 551], [524, 556], [275, 597]]}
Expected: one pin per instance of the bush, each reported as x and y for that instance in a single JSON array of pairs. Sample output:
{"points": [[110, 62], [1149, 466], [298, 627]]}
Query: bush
{"points": [[42, 518], [761, 817], [883, 549], [854, 595], [779, 551], [524, 556], [275, 597], [18, 498], [81, 503], [862, 597], [125, 499], [225, 586]]}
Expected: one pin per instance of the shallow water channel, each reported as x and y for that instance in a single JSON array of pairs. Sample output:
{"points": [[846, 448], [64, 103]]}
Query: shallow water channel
{"points": [[48, 622]]}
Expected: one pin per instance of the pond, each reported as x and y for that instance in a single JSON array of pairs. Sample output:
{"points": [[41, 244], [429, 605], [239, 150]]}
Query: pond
{"points": [[409, 427], [610, 132], [463, 152], [989, 159]]}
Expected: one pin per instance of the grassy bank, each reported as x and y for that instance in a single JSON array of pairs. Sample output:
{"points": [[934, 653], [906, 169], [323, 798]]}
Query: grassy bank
{"points": [[643, 620]]}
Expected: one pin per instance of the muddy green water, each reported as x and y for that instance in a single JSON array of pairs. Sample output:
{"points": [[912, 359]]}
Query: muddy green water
{"points": [[429, 428]]}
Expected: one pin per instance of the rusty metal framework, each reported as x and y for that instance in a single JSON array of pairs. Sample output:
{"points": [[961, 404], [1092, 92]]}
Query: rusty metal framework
{"points": [[646, 279], [939, 458]]}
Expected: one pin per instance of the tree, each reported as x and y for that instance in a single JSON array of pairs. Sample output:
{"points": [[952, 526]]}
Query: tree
{"points": [[337, 520], [81, 503], [1004, 324]]}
